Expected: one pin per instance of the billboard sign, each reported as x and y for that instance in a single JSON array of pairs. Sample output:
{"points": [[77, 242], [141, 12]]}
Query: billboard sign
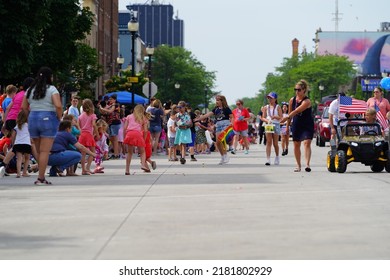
{"points": [[370, 51]]}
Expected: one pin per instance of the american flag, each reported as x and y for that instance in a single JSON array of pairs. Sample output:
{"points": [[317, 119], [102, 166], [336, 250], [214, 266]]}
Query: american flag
{"points": [[352, 105], [382, 119]]}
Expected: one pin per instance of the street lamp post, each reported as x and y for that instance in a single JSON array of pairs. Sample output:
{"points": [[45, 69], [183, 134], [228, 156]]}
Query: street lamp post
{"points": [[133, 28], [150, 52], [366, 83], [206, 90], [120, 60], [321, 88], [177, 87]]}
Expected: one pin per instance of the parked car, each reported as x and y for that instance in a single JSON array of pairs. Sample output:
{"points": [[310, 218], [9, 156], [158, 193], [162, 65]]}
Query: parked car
{"points": [[323, 132]]}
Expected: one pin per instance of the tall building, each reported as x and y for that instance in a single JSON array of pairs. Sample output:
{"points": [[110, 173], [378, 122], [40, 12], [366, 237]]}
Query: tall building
{"points": [[104, 38], [157, 26]]}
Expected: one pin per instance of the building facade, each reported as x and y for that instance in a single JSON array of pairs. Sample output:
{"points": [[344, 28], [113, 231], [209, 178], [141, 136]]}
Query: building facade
{"points": [[104, 38]]}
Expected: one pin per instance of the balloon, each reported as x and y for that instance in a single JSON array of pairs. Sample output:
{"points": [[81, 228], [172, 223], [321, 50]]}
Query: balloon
{"points": [[385, 83]]}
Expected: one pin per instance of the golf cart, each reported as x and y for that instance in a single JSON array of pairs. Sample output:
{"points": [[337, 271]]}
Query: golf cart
{"points": [[359, 142]]}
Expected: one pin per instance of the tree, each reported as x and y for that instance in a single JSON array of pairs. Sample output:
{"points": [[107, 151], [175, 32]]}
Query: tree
{"points": [[40, 32], [82, 73], [173, 65], [334, 72], [21, 26]]}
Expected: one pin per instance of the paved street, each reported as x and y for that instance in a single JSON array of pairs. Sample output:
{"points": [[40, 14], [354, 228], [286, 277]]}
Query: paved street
{"points": [[243, 210]]}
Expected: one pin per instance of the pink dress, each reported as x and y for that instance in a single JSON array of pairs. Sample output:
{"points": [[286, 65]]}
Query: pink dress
{"points": [[86, 125], [134, 133]]}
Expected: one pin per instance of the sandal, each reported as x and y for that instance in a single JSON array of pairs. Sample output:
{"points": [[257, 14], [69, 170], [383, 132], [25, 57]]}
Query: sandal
{"points": [[147, 170], [297, 169], [308, 169], [127, 173], [86, 173], [41, 182]]}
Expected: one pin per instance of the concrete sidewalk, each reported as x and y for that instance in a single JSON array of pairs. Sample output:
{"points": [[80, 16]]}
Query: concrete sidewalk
{"points": [[200, 210]]}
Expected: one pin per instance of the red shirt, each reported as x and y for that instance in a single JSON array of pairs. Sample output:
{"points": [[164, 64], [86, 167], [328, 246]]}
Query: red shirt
{"points": [[3, 142], [240, 125]]}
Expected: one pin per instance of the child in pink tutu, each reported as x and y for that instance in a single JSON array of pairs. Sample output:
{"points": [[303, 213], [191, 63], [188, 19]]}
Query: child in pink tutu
{"points": [[134, 133], [87, 122], [101, 145]]}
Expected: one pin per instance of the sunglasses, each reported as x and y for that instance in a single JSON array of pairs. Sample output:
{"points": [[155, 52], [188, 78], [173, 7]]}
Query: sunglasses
{"points": [[179, 107], [298, 89]]}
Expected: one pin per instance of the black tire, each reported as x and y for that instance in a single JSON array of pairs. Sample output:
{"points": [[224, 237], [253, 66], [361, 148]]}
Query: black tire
{"points": [[377, 167], [317, 140], [387, 164], [340, 162], [330, 162]]}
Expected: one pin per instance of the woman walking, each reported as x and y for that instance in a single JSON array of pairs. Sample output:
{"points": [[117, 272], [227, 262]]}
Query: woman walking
{"points": [[299, 113], [223, 118], [272, 114]]}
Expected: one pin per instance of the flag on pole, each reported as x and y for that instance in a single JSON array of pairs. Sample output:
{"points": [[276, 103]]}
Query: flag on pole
{"points": [[352, 105], [382, 119]]}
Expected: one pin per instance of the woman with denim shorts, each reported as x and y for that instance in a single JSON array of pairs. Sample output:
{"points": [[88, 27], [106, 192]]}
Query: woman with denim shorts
{"points": [[223, 118], [272, 114], [43, 101]]}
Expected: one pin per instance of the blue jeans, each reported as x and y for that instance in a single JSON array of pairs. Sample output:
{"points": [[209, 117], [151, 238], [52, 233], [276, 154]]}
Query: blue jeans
{"points": [[43, 124], [63, 160]]}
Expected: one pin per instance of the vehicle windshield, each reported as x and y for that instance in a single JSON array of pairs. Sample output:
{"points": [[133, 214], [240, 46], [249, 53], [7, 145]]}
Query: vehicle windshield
{"points": [[325, 113]]}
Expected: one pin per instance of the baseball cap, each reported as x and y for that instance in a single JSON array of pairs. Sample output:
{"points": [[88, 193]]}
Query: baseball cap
{"points": [[273, 95]]}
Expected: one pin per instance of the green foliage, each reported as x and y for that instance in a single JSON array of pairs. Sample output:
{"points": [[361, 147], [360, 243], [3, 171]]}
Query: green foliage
{"points": [[82, 74], [170, 66], [173, 65], [39, 33]]}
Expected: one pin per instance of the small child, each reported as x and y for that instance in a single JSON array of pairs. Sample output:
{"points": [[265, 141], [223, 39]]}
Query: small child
{"points": [[134, 132], [101, 145], [75, 131], [22, 144], [171, 126], [87, 121]]}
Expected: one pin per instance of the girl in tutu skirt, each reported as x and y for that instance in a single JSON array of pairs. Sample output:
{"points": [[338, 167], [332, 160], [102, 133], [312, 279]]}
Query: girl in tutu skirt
{"points": [[134, 133], [183, 134], [87, 122]]}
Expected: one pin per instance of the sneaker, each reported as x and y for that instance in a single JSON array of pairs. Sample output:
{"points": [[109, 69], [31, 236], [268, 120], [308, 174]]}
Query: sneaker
{"points": [[233, 152], [225, 159], [182, 160], [246, 152], [193, 159], [276, 162], [2, 171], [268, 162], [222, 161], [154, 165]]}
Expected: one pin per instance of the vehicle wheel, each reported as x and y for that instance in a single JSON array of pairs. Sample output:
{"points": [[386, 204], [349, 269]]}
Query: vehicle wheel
{"points": [[387, 164], [330, 162], [377, 166], [321, 142], [317, 140], [340, 161]]}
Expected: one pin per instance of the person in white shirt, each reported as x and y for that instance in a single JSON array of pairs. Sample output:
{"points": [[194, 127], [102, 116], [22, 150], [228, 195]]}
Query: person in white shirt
{"points": [[335, 116], [73, 109]]}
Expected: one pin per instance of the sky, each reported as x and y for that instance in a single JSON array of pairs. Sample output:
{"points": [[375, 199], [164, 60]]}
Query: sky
{"points": [[243, 41]]}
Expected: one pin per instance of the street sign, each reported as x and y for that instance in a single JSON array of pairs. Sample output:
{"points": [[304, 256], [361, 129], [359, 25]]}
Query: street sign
{"points": [[153, 89], [134, 80]]}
